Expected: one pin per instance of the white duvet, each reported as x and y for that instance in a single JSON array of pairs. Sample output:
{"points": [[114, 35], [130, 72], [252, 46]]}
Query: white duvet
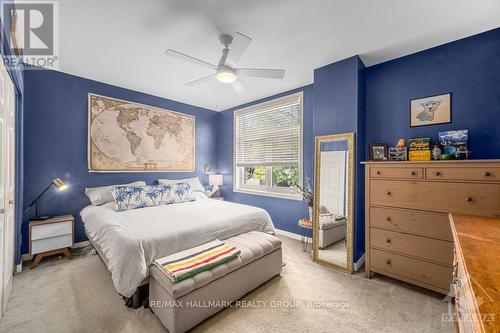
{"points": [[132, 239]]}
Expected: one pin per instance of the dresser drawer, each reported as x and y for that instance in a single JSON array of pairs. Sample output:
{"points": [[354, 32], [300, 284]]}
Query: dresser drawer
{"points": [[51, 229], [468, 174], [435, 225], [413, 269], [397, 173], [417, 246], [52, 243], [464, 198]]}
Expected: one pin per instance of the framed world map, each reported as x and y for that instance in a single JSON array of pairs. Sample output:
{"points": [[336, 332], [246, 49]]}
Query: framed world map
{"points": [[129, 137]]}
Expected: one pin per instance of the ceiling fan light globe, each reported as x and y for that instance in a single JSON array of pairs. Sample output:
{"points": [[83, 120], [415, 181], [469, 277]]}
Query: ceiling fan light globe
{"points": [[226, 77]]}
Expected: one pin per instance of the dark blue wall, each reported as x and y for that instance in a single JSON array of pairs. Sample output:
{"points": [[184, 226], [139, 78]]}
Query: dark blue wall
{"points": [[336, 97], [468, 68], [339, 107], [284, 212], [55, 141], [334, 146]]}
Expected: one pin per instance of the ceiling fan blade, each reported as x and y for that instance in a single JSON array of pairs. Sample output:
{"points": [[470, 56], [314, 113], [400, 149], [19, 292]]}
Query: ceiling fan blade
{"points": [[260, 72], [185, 57], [237, 48], [201, 81], [238, 87]]}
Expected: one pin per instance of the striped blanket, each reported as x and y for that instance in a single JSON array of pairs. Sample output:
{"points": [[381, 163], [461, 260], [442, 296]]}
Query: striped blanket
{"points": [[188, 263]]}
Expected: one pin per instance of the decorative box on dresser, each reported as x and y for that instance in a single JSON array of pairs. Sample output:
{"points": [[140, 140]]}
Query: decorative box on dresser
{"points": [[476, 276], [408, 235]]}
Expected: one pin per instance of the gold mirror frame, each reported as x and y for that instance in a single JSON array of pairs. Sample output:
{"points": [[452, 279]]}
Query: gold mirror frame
{"points": [[350, 137]]}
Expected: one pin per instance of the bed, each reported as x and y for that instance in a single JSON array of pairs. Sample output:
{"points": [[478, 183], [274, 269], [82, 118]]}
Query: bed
{"points": [[129, 241]]}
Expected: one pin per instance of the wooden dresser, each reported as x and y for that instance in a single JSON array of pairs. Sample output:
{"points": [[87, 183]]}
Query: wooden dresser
{"points": [[476, 276], [408, 235]]}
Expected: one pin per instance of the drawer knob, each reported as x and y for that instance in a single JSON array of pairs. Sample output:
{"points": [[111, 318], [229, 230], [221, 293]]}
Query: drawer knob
{"points": [[437, 173], [388, 219], [486, 174], [388, 193], [2, 211], [388, 241], [468, 199], [387, 261], [379, 173], [413, 173]]}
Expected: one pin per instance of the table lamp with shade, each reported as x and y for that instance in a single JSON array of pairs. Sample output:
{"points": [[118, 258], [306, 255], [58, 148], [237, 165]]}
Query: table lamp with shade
{"points": [[59, 184], [215, 180]]}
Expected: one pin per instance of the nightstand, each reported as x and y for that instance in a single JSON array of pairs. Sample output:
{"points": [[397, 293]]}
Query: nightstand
{"points": [[51, 236], [217, 198]]}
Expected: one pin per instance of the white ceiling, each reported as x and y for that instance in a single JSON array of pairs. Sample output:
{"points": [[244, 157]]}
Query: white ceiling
{"points": [[122, 42]]}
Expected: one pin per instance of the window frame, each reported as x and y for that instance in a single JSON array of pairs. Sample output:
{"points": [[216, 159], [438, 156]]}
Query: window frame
{"points": [[238, 172]]}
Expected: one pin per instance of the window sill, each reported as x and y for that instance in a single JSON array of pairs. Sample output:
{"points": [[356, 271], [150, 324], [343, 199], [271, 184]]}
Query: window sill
{"points": [[291, 196]]}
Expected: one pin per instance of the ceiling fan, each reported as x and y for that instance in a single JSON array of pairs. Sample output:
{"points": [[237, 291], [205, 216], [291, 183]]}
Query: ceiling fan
{"points": [[226, 71]]}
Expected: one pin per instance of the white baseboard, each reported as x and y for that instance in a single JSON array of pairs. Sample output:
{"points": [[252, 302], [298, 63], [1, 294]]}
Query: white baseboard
{"points": [[19, 268], [289, 234], [26, 257], [29, 257], [359, 263], [80, 244]]}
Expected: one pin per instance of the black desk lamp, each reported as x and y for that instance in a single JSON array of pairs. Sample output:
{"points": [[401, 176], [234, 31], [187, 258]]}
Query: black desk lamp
{"points": [[60, 186]]}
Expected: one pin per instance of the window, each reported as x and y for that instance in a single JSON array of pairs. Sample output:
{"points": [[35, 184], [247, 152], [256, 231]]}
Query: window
{"points": [[268, 147]]}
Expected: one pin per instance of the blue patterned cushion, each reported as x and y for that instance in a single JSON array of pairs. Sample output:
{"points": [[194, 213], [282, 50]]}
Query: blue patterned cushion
{"points": [[132, 197]]}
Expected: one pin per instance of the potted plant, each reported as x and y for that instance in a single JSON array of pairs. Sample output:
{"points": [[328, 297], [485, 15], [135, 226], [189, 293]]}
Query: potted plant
{"points": [[307, 195]]}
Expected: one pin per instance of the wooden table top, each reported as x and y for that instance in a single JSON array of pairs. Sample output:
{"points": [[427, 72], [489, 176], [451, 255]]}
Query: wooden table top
{"points": [[479, 241], [54, 219]]}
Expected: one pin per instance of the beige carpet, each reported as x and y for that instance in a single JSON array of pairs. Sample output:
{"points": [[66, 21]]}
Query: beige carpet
{"points": [[335, 253], [78, 296]]}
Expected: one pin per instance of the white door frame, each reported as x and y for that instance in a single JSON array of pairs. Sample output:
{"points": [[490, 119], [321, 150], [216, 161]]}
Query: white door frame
{"points": [[7, 184], [333, 181]]}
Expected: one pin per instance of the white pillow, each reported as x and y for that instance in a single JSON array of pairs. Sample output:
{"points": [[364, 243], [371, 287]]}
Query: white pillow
{"points": [[102, 194], [199, 195], [193, 182]]}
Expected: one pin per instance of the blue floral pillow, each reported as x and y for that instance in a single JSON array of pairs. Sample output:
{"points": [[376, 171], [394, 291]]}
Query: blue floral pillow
{"points": [[133, 197]]}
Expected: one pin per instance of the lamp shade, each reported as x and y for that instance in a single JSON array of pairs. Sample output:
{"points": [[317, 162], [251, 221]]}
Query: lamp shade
{"points": [[215, 180], [59, 184]]}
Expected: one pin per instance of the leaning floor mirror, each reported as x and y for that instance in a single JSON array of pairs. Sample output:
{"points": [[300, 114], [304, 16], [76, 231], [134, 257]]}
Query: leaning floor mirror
{"points": [[334, 201]]}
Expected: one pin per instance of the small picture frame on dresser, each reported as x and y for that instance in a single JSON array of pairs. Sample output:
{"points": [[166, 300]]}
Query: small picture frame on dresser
{"points": [[377, 151], [398, 154]]}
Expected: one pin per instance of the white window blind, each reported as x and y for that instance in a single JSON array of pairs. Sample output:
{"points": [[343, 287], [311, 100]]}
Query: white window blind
{"points": [[269, 134]]}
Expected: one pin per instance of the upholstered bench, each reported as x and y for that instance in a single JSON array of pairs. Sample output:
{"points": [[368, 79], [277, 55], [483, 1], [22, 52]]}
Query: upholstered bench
{"points": [[331, 231], [181, 306]]}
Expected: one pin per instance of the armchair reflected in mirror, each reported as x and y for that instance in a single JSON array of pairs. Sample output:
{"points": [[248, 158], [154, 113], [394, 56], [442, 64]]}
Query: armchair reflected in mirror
{"points": [[334, 201]]}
